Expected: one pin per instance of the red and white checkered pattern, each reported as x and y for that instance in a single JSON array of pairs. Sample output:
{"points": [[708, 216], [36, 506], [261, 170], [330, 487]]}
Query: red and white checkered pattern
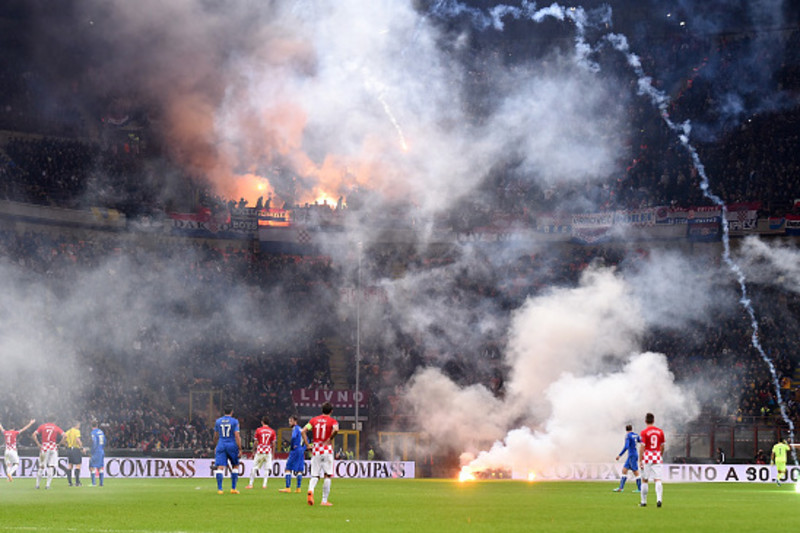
{"points": [[651, 456], [264, 448], [323, 449], [49, 446], [11, 439]]}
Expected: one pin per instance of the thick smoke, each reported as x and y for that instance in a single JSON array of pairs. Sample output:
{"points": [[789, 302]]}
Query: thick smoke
{"points": [[311, 100], [575, 372], [317, 99]]}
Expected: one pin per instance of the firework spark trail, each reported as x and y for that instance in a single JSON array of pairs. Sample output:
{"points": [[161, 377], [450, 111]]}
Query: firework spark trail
{"points": [[375, 87], [494, 19], [391, 116], [661, 101]]}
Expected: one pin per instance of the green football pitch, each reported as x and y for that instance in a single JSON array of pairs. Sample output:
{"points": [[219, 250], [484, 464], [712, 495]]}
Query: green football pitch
{"points": [[395, 505]]}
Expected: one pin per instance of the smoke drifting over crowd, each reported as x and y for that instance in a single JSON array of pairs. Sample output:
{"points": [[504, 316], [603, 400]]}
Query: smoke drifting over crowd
{"points": [[416, 104]]}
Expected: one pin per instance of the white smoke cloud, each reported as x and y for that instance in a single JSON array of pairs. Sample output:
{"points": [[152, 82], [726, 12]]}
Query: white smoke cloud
{"points": [[773, 265], [576, 379]]}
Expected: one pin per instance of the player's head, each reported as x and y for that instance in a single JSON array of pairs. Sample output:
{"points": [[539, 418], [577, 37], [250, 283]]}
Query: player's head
{"points": [[327, 408], [629, 427], [293, 420], [265, 420], [94, 422], [228, 410], [649, 418]]}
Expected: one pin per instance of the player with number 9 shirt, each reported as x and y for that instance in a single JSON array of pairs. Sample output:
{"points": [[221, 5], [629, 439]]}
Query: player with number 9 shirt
{"points": [[651, 458]]}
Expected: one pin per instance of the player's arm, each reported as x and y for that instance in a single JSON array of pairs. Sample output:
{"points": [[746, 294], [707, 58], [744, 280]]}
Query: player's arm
{"points": [[334, 433], [620, 454], [29, 424], [3, 429], [304, 434], [36, 439], [238, 440]]}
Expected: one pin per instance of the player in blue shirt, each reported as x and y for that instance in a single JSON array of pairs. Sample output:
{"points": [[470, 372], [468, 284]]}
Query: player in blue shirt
{"points": [[296, 463], [632, 441], [97, 461], [228, 448]]}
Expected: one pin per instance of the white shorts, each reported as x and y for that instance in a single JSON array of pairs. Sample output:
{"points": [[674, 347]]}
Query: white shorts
{"points": [[322, 465], [262, 461], [652, 471], [12, 457], [48, 458]]}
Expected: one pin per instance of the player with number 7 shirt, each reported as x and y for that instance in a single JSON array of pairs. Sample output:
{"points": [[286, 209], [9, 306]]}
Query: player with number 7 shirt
{"points": [[324, 428]]}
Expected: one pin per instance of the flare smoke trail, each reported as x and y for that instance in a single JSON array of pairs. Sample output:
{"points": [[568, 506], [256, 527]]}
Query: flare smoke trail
{"points": [[493, 18], [661, 101]]}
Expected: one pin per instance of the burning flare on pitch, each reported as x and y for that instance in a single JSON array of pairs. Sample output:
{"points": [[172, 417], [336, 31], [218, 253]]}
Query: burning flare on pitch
{"points": [[466, 474]]}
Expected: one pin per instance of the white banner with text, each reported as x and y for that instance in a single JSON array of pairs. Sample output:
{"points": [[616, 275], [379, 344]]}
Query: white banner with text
{"points": [[149, 467]]}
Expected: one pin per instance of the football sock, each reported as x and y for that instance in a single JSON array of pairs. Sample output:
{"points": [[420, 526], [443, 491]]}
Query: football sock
{"points": [[659, 490], [645, 489], [312, 484], [77, 476], [639, 482], [622, 481], [299, 480], [288, 481], [219, 480], [93, 478], [101, 478], [326, 489], [69, 476], [234, 479]]}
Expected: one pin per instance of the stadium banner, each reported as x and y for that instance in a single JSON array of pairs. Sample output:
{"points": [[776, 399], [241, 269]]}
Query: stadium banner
{"points": [[150, 467], [337, 398], [554, 223], [599, 227], [792, 224], [704, 229], [274, 217], [742, 218], [209, 225], [672, 473]]}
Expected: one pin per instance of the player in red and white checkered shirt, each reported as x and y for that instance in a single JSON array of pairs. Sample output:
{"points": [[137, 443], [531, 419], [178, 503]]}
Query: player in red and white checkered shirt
{"points": [[651, 456], [46, 437], [11, 456], [265, 440], [324, 429]]}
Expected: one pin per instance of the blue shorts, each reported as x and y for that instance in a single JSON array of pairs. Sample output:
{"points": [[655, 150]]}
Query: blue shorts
{"points": [[226, 453], [632, 463], [296, 461], [97, 460]]}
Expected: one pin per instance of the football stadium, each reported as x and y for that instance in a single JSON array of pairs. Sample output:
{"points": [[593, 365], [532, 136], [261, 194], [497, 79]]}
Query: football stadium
{"points": [[399, 265]]}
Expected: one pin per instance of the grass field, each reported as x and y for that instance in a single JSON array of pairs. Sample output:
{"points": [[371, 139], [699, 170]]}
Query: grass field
{"points": [[396, 505]]}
